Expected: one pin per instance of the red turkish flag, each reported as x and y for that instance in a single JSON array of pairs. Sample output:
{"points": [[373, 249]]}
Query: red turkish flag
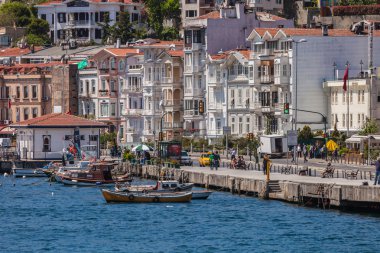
{"points": [[345, 78]]}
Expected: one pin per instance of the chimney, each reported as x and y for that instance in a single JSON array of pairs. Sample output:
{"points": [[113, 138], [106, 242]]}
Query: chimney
{"points": [[325, 30], [118, 43]]}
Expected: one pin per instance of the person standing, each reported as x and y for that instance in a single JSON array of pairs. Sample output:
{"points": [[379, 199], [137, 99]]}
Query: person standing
{"points": [[265, 164], [304, 153], [377, 177], [211, 157], [299, 150], [216, 160]]}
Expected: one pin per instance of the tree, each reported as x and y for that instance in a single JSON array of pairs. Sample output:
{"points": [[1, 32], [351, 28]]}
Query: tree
{"points": [[356, 2], [16, 13], [305, 134], [38, 27], [122, 29], [370, 127], [106, 27]]}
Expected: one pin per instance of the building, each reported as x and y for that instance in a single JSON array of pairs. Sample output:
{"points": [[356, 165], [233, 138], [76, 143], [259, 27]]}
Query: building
{"points": [[10, 35], [45, 137], [25, 92], [361, 106], [111, 72], [78, 19], [13, 55], [291, 64], [214, 32], [162, 89]]}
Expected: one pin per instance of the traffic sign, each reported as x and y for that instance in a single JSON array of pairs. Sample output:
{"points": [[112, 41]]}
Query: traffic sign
{"points": [[292, 138], [226, 130]]}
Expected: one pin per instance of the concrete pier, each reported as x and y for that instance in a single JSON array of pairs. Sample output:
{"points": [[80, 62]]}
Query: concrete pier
{"points": [[340, 193]]}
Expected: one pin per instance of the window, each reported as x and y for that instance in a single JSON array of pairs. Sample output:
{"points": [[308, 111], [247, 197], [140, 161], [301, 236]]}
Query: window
{"points": [[350, 96], [197, 36], [121, 108], [362, 96], [351, 121], [93, 86], [81, 87], [121, 65], [103, 84], [43, 16], [26, 113], [104, 110], [34, 112], [18, 92], [113, 63], [218, 124], [135, 17], [93, 138], [359, 120], [102, 16], [61, 17], [344, 120], [26, 94], [46, 143], [112, 85], [34, 91], [98, 32], [188, 35], [113, 109], [359, 91], [240, 125], [284, 70], [247, 124], [191, 13], [232, 124]]}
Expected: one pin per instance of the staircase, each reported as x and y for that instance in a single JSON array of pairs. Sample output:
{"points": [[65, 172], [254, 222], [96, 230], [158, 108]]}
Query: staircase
{"points": [[274, 186]]}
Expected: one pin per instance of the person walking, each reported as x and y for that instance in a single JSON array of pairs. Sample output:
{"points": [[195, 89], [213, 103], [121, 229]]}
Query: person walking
{"points": [[265, 164], [216, 160], [211, 157], [304, 153], [299, 150], [377, 177]]}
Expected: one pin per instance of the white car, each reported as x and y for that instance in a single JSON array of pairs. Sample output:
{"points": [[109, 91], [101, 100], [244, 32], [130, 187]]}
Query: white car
{"points": [[185, 159]]}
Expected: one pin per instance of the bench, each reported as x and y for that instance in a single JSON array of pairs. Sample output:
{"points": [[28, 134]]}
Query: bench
{"points": [[352, 174], [328, 172]]}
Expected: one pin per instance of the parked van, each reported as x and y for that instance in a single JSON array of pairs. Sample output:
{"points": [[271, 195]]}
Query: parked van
{"points": [[273, 145], [5, 142]]}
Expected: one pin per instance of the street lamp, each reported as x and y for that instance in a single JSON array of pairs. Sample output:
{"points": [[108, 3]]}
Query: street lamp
{"points": [[334, 73], [161, 135], [296, 88], [361, 68], [370, 137]]}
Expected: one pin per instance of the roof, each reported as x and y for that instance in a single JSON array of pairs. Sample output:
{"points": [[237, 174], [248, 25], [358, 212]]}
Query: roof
{"points": [[16, 51], [58, 120], [122, 51], [210, 15], [151, 43], [175, 53]]}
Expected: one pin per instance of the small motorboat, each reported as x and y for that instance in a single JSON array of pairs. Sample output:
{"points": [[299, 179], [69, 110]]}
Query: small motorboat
{"points": [[155, 197], [97, 174], [161, 186], [23, 172], [201, 194]]}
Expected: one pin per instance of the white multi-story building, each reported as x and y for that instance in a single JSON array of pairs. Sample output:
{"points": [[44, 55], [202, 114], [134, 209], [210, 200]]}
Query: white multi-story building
{"points": [[78, 19], [224, 30], [88, 92], [162, 89]]}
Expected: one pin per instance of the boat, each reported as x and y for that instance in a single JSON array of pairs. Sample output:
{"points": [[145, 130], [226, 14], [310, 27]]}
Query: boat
{"points": [[161, 186], [96, 174], [155, 197], [77, 166], [201, 194], [34, 172]]}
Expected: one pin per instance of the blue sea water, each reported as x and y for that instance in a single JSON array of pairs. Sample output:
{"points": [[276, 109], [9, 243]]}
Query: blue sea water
{"points": [[38, 217]]}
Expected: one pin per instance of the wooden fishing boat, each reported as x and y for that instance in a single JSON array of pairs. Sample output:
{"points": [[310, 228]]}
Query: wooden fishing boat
{"points": [[96, 174], [161, 186], [77, 166], [201, 194], [155, 197]]}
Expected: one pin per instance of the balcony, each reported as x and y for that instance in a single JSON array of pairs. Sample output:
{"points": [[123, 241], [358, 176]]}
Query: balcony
{"points": [[172, 102], [104, 71], [133, 112], [167, 80], [282, 80], [170, 125], [266, 79], [103, 93], [80, 22]]}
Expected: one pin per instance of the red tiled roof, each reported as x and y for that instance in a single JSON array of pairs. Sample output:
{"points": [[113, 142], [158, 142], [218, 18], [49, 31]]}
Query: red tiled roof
{"points": [[58, 120], [122, 51], [210, 15], [15, 51], [244, 52], [175, 53], [309, 32], [162, 44]]}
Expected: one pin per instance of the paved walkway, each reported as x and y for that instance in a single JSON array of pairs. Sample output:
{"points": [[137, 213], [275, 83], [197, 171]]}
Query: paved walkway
{"points": [[250, 174]]}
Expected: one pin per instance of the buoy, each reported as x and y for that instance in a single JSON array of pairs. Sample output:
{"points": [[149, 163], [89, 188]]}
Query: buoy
{"points": [[24, 176], [52, 193], [6, 174]]}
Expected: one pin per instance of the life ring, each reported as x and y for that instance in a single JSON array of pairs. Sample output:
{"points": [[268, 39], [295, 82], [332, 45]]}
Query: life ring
{"points": [[156, 199], [131, 197]]}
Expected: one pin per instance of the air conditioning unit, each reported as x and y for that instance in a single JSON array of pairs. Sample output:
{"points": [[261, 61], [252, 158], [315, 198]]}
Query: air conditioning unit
{"points": [[6, 122]]}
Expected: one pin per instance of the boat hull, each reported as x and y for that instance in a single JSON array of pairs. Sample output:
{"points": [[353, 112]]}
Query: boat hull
{"points": [[201, 194], [28, 172], [83, 182], [119, 197]]}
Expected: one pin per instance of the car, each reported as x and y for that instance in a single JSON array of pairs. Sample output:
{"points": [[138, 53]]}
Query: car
{"points": [[185, 159], [204, 160]]}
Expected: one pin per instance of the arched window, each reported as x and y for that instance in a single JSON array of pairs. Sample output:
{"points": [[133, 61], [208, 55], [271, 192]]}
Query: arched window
{"points": [[113, 63], [121, 65], [46, 143]]}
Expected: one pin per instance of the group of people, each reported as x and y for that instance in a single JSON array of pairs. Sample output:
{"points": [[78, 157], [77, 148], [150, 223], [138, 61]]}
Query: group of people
{"points": [[214, 160], [312, 151], [238, 163]]}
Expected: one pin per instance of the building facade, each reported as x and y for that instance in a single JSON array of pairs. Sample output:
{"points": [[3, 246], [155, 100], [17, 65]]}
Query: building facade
{"points": [[79, 19]]}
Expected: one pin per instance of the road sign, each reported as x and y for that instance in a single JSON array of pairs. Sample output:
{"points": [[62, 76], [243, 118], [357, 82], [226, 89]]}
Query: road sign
{"points": [[226, 130], [292, 138]]}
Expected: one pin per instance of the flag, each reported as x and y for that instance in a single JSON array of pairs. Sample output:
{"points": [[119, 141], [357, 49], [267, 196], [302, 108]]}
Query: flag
{"points": [[83, 64], [345, 78], [9, 103]]}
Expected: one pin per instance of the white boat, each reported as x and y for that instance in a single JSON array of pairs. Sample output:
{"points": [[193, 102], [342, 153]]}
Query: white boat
{"points": [[161, 186], [201, 194], [23, 172]]}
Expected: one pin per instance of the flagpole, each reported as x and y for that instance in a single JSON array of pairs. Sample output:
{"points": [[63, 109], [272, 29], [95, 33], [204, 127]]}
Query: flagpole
{"points": [[348, 99]]}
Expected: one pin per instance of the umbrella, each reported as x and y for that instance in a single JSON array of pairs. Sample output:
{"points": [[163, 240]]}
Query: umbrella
{"points": [[142, 147], [331, 145]]}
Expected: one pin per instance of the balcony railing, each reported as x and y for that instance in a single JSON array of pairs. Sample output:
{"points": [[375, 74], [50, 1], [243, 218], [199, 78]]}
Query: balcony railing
{"points": [[133, 112], [80, 22], [266, 79], [103, 93], [104, 71], [169, 125]]}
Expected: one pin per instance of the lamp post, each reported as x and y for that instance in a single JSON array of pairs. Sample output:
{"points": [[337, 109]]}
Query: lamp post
{"points": [[295, 97], [361, 68], [161, 135], [370, 137]]}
